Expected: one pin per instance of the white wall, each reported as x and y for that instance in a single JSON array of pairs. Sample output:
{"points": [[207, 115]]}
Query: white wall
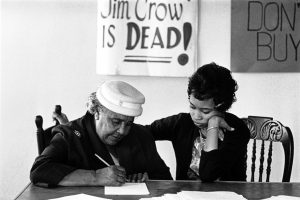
{"points": [[48, 57]]}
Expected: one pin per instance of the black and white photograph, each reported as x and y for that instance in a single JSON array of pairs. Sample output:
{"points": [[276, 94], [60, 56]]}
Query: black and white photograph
{"points": [[150, 99]]}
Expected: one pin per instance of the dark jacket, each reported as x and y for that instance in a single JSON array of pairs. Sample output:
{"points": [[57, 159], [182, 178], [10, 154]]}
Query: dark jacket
{"points": [[74, 145], [228, 162]]}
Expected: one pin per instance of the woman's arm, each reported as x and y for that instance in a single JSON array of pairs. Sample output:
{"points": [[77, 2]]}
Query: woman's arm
{"points": [[225, 161]]}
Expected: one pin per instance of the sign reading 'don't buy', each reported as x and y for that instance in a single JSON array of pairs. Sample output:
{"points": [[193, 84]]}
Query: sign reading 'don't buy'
{"points": [[265, 36], [147, 37]]}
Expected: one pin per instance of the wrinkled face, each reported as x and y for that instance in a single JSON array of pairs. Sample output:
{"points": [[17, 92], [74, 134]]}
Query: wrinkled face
{"points": [[201, 111], [112, 127]]}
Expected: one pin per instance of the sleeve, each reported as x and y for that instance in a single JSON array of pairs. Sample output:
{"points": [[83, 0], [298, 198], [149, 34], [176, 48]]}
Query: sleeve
{"points": [[225, 163], [164, 129], [49, 168]]}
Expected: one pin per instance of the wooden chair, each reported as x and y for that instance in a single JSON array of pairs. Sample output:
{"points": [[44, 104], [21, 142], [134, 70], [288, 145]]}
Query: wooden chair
{"points": [[268, 131], [44, 136]]}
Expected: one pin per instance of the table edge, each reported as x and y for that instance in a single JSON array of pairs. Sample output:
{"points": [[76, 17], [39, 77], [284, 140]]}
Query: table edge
{"points": [[20, 193]]}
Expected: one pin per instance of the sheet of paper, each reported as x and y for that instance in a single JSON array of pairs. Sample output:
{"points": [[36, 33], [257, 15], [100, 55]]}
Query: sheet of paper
{"points": [[167, 196], [127, 189], [283, 197], [224, 195], [196, 195], [153, 198], [171, 197], [80, 197]]}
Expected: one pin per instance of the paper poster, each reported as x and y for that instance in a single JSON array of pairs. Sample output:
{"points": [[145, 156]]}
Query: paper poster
{"points": [[265, 36], [147, 38]]}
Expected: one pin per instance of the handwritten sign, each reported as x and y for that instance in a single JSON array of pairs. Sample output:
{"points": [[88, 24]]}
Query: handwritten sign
{"points": [[144, 37], [265, 36]]}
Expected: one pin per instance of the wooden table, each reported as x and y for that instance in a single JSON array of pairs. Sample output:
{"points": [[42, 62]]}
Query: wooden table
{"points": [[158, 188]]}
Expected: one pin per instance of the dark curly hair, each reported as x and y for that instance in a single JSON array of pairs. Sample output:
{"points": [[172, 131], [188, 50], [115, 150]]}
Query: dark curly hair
{"points": [[213, 81]]}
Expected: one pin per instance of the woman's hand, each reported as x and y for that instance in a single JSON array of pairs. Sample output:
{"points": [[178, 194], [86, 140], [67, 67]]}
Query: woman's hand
{"points": [[61, 118], [215, 127], [138, 178], [218, 121], [113, 176], [109, 176]]}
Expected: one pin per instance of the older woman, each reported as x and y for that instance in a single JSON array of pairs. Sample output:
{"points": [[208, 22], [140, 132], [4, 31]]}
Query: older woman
{"points": [[103, 147], [209, 143]]}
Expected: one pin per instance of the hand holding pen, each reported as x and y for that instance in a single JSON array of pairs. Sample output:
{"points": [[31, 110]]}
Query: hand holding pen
{"points": [[113, 175], [136, 178]]}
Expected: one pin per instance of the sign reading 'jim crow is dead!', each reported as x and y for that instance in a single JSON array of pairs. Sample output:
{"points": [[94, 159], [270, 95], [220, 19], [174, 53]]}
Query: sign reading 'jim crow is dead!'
{"points": [[155, 38]]}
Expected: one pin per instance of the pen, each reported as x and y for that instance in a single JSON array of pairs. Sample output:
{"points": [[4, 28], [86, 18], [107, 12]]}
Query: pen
{"points": [[102, 160], [127, 180]]}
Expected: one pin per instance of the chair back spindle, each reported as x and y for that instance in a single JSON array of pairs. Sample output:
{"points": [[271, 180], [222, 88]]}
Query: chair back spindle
{"points": [[253, 160], [261, 160], [39, 133], [269, 161], [44, 135], [58, 111]]}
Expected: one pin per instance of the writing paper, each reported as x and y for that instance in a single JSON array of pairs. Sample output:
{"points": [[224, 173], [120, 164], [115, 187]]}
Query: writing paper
{"points": [[224, 195], [167, 196], [127, 189], [80, 197], [283, 197], [196, 195]]}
